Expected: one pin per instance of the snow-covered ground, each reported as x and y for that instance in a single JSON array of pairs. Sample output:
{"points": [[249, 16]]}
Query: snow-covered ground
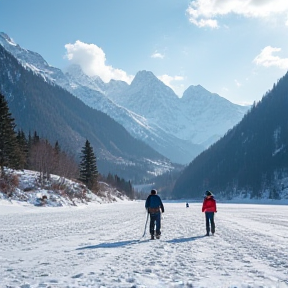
{"points": [[97, 245], [57, 191]]}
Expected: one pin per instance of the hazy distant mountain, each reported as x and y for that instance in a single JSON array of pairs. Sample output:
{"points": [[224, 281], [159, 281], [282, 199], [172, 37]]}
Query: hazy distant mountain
{"points": [[250, 160], [212, 116], [199, 116], [39, 105]]}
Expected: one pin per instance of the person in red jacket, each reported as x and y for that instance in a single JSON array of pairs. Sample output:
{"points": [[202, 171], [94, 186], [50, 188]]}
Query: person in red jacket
{"points": [[209, 207]]}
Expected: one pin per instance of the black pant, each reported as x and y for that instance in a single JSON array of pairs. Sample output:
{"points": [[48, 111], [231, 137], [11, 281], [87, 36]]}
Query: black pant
{"points": [[210, 220], [155, 219]]}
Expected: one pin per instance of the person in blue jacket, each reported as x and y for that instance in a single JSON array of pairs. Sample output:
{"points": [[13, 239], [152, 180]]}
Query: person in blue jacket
{"points": [[153, 205]]}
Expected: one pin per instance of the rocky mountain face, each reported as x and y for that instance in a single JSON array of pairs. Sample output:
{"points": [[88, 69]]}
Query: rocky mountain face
{"points": [[178, 128], [199, 116]]}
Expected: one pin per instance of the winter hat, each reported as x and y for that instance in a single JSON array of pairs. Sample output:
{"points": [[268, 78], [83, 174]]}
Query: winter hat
{"points": [[153, 191], [208, 193]]}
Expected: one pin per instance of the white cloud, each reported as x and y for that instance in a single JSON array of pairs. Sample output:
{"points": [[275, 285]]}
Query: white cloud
{"points": [[203, 12], [205, 23], [267, 59], [157, 55], [92, 60], [167, 80]]}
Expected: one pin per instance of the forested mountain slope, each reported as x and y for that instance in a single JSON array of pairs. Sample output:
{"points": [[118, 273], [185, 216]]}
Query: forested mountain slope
{"points": [[251, 159]]}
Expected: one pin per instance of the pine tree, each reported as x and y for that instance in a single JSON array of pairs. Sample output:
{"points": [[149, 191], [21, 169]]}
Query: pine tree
{"points": [[9, 150], [88, 167], [23, 146], [57, 148]]}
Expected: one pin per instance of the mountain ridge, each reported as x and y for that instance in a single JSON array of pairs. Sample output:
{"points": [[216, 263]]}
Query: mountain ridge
{"points": [[147, 108]]}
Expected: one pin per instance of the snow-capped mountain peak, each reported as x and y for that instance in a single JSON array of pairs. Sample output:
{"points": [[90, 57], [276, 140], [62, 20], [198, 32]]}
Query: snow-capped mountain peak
{"points": [[5, 37], [78, 77], [150, 86], [196, 92], [144, 77], [31, 59]]}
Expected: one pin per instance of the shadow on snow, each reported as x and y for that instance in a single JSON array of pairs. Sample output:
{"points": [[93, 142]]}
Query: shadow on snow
{"points": [[112, 245], [180, 240], [131, 242]]}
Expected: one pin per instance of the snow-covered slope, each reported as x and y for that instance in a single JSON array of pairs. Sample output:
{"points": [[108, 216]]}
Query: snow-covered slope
{"points": [[55, 192], [31, 60], [212, 115]]}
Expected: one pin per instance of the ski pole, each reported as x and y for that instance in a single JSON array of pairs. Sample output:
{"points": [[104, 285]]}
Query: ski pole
{"points": [[145, 225]]}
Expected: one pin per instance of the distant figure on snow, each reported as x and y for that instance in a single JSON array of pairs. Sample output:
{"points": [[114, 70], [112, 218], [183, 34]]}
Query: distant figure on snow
{"points": [[153, 205], [209, 207], [187, 205]]}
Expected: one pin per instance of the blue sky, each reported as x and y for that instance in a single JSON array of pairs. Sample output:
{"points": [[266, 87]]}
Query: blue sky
{"points": [[236, 48]]}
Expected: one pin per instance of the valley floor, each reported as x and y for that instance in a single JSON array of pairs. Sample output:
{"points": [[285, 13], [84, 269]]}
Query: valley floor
{"points": [[97, 246]]}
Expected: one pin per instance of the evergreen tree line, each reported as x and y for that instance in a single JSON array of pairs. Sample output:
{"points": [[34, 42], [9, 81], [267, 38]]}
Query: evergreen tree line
{"points": [[18, 151], [121, 184]]}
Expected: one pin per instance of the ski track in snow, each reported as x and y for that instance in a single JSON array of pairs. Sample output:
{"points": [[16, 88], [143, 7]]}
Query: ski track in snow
{"points": [[98, 246]]}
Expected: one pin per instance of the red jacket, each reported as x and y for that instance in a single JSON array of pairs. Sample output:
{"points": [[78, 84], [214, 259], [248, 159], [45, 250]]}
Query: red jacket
{"points": [[209, 204]]}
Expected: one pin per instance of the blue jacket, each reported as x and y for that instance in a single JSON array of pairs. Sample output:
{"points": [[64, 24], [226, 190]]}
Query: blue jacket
{"points": [[154, 203]]}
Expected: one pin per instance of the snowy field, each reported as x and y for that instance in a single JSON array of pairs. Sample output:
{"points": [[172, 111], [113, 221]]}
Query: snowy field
{"points": [[98, 246]]}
